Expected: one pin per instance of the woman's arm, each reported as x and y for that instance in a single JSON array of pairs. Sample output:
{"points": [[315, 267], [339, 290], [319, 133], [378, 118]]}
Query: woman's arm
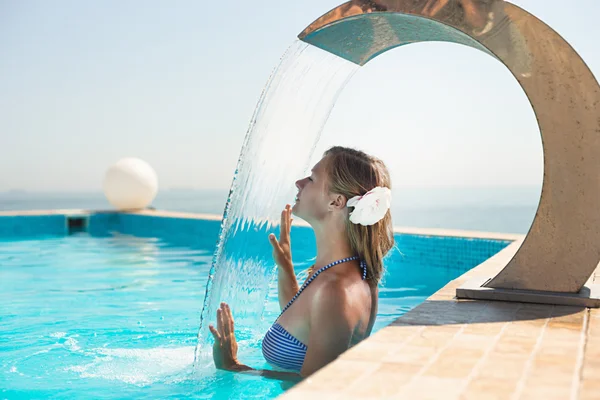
{"points": [[287, 284], [267, 373]]}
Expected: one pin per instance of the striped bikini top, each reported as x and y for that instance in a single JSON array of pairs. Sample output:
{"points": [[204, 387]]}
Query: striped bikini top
{"points": [[279, 347]]}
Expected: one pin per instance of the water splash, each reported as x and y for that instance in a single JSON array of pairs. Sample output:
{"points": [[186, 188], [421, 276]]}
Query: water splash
{"points": [[139, 367], [280, 141]]}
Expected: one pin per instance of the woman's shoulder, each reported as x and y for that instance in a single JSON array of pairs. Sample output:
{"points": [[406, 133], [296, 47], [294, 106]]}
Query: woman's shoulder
{"points": [[341, 302], [331, 294], [336, 291]]}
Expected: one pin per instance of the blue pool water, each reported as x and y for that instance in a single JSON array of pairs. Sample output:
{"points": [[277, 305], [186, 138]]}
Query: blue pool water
{"points": [[106, 314]]}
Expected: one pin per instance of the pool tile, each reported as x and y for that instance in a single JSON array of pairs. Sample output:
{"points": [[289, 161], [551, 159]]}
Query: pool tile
{"points": [[490, 329], [503, 367], [455, 362], [490, 388], [451, 367], [545, 392], [307, 394], [469, 340], [426, 339], [371, 351], [522, 329], [508, 345], [385, 381], [591, 369], [418, 355], [398, 333], [545, 377], [30, 226], [533, 314], [339, 375], [590, 389], [430, 388]]}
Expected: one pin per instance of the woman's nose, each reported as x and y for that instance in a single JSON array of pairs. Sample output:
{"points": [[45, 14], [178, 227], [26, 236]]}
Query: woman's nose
{"points": [[300, 183]]}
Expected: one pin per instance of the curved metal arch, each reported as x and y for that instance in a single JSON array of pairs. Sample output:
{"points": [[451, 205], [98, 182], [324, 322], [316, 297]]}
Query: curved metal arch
{"points": [[562, 248]]}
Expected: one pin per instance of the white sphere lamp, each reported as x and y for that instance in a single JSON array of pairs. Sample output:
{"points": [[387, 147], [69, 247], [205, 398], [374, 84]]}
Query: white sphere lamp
{"points": [[130, 184]]}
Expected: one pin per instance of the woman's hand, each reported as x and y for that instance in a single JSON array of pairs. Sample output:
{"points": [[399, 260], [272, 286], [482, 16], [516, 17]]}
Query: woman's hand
{"points": [[282, 249], [225, 347]]}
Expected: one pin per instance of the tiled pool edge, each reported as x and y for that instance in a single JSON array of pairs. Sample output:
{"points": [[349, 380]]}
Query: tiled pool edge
{"points": [[448, 249], [75, 212], [451, 250], [213, 217], [452, 349]]}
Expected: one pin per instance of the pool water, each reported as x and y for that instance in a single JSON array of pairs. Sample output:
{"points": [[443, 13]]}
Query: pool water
{"points": [[113, 315]]}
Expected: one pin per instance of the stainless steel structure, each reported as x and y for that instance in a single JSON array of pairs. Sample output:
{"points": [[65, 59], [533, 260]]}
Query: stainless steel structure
{"points": [[562, 248]]}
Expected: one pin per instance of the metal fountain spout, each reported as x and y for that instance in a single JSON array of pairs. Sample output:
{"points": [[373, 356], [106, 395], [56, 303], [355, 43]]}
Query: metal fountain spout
{"points": [[562, 249]]}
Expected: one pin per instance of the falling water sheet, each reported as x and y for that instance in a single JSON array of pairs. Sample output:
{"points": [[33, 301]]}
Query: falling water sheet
{"points": [[280, 141]]}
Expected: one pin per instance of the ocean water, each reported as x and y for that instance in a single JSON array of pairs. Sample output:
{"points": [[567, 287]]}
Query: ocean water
{"points": [[509, 210]]}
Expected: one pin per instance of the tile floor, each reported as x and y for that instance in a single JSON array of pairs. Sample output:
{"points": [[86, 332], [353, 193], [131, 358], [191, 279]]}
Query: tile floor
{"points": [[454, 349]]}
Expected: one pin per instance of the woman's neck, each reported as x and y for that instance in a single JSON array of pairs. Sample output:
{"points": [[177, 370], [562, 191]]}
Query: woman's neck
{"points": [[332, 243]]}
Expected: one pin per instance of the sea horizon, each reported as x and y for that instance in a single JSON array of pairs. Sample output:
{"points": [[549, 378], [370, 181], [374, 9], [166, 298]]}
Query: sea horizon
{"points": [[489, 209]]}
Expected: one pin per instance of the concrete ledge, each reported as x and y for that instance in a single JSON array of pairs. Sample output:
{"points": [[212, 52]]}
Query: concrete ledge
{"points": [[589, 296], [28, 213], [461, 349], [150, 213], [176, 214]]}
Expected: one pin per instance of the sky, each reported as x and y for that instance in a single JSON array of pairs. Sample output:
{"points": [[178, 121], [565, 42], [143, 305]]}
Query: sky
{"points": [[83, 84]]}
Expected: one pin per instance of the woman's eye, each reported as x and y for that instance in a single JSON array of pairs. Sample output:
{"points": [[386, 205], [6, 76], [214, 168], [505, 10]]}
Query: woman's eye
{"points": [[310, 179]]}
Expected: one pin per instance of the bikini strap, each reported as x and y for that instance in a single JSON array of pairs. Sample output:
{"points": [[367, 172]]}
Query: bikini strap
{"points": [[312, 278], [363, 265]]}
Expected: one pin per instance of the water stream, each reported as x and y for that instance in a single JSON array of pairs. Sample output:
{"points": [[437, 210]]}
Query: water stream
{"points": [[280, 141]]}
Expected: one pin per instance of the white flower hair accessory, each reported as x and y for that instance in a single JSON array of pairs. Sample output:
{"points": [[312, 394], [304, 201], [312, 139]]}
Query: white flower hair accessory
{"points": [[371, 207]]}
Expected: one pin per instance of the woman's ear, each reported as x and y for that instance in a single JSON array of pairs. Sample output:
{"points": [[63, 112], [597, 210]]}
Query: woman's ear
{"points": [[338, 201]]}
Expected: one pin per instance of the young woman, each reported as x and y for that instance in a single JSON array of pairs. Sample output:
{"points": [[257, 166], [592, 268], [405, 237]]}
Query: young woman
{"points": [[346, 201]]}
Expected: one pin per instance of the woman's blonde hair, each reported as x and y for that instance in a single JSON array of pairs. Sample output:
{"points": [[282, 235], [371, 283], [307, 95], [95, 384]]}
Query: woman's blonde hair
{"points": [[352, 173]]}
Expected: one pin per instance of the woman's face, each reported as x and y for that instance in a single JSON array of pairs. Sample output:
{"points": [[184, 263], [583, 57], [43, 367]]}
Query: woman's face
{"points": [[312, 201]]}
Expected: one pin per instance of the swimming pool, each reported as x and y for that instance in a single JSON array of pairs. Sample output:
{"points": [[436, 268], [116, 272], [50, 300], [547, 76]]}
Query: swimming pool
{"points": [[114, 311]]}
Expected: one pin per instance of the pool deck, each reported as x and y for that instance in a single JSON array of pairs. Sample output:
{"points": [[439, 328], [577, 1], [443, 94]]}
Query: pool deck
{"points": [[460, 349]]}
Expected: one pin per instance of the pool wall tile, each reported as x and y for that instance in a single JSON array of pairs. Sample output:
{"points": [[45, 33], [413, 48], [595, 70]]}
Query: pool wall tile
{"points": [[26, 226], [456, 253], [182, 231], [103, 224]]}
